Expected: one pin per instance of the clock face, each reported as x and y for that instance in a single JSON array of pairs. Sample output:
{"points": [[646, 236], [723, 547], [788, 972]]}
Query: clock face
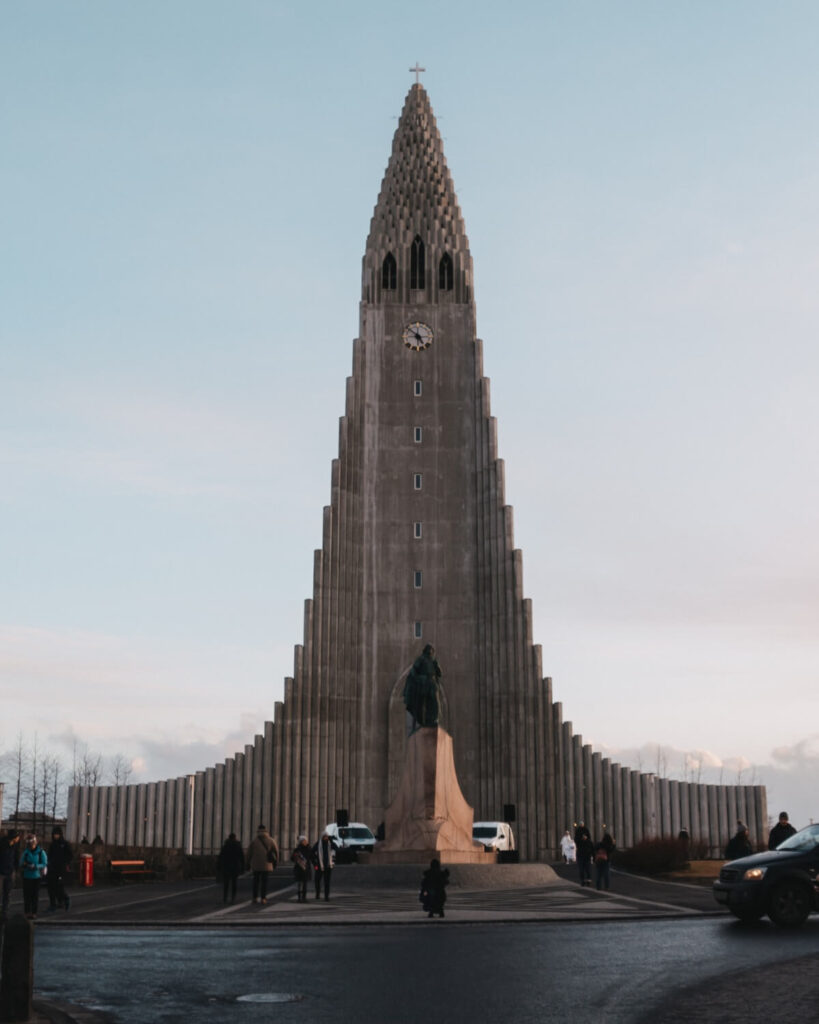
{"points": [[417, 336]]}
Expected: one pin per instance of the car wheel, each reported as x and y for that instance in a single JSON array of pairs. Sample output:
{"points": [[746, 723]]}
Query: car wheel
{"points": [[747, 914], [790, 904]]}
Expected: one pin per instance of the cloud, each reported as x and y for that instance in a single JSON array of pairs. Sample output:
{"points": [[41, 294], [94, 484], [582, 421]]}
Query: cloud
{"points": [[801, 755], [791, 776]]}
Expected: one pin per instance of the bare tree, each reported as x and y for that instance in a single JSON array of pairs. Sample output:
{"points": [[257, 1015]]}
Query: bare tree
{"points": [[56, 784], [18, 757], [120, 770], [33, 791], [87, 767]]}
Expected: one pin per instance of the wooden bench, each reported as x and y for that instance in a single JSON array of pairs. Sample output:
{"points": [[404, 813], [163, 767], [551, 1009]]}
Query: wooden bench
{"points": [[119, 870]]}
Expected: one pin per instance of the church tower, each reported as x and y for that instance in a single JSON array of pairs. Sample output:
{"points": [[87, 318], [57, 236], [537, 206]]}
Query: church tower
{"points": [[417, 541], [417, 548]]}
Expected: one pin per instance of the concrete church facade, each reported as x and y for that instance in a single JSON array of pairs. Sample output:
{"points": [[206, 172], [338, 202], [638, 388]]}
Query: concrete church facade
{"points": [[417, 548]]}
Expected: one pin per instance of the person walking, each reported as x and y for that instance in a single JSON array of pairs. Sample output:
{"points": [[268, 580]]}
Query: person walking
{"points": [[585, 853], [262, 858], [781, 831], [33, 864], [9, 849], [324, 860], [230, 864], [433, 888], [59, 865], [301, 867], [568, 848], [740, 844], [602, 861]]}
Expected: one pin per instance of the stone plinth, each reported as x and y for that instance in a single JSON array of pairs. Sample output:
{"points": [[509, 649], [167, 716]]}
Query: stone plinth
{"points": [[429, 816]]}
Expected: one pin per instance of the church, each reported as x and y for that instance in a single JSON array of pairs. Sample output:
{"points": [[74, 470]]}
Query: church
{"points": [[417, 549]]}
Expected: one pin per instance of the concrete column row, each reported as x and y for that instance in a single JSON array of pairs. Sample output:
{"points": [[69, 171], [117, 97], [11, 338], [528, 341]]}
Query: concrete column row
{"points": [[633, 805]]}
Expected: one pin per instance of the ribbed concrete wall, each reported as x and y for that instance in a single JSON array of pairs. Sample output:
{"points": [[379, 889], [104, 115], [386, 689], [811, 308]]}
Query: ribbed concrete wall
{"points": [[235, 797]]}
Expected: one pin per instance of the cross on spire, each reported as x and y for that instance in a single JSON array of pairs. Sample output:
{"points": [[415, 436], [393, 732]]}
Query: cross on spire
{"points": [[417, 69]]}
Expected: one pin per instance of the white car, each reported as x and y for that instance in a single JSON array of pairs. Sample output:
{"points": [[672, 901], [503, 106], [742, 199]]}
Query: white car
{"points": [[355, 837], [493, 835]]}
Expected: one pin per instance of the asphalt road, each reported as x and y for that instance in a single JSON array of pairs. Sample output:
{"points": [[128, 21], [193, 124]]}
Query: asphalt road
{"points": [[622, 971]]}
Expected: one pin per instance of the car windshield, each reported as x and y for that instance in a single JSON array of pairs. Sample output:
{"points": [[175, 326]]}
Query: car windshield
{"points": [[361, 833], [484, 832], [807, 839]]}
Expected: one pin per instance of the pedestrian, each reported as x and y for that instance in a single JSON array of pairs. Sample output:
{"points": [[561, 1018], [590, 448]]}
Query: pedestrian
{"points": [[262, 858], [301, 867], [34, 865], [568, 848], [781, 831], [433, 888], [740, 844], [603, 853], [59, 866], [229, 865], [585, 853], [9, 850], [324, 860]]}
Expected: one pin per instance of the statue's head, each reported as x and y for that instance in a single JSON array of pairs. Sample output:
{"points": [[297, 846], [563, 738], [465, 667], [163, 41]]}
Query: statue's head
{"points": [[429, 650]]}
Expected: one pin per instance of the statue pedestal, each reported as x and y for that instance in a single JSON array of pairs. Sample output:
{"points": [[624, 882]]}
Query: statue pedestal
{"points": [[429, 816]]}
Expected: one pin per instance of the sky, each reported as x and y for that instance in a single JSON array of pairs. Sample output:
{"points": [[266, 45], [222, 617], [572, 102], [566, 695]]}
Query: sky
{"points": [[185, 194]]}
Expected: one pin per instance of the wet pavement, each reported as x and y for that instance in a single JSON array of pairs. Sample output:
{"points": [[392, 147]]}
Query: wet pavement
{"points": [[585, 972], [518, 941], [384, 895]]}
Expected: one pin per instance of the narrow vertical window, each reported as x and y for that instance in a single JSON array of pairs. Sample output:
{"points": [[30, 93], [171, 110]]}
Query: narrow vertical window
{"points": [[445, 273], [417, 275], [417, 481], [419, 632], [419, 389], [418, 529], [419, 579], [417, 435], [389, 274]]}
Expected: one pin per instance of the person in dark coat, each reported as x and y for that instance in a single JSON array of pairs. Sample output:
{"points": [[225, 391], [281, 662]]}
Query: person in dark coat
{"points": [[585, 853], [781, 831], [603, 853], [433, 888], [9, 851], [59, 865], [301, 867], [230, 864], [739, 845]]}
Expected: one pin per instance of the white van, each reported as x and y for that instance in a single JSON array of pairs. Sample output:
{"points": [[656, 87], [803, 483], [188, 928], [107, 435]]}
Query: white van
{"points": [[493, 835], [355, 837]]}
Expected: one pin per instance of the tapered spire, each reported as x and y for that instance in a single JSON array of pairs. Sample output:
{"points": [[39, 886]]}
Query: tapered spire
{"points": [[417, 200]]}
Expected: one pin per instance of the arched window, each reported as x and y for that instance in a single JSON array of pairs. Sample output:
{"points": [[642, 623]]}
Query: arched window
{"points": [[388, 272], [417, 279], [445, 273]]}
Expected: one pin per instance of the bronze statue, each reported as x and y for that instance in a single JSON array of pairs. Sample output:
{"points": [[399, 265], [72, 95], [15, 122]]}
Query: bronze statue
{"points": [[421, 689]]}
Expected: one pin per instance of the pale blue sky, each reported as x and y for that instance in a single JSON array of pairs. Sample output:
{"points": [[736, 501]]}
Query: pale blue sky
{"points": [[186, 190]]}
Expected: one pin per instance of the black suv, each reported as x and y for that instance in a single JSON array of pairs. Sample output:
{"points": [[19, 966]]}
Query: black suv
{"points": [[781, 883]]}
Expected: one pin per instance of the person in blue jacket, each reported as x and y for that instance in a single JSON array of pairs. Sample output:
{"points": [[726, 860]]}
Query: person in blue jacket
{"points": [[33, 866]]}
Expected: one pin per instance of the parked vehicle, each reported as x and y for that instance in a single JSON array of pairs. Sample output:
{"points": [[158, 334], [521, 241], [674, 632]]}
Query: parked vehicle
{"points": [[781, 883], [351, 839], [494, 835]]}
